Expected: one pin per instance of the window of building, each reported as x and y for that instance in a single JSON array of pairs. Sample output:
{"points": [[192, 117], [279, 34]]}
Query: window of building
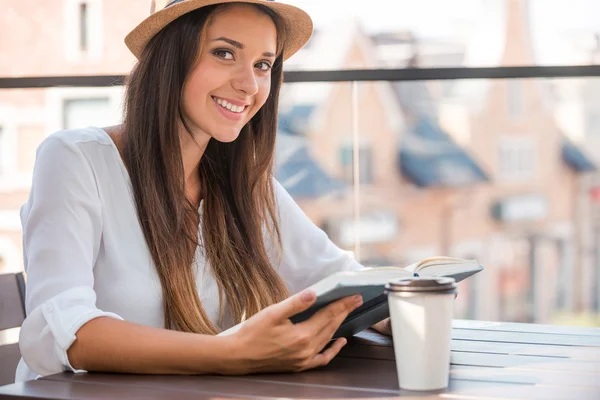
{"points": [[516, 159], [365, 163], [2, 150], [515, 98], [79, 113], [9, 254], [80, 107], [593, 123], [83, 24], [84, 27], [10, 119]]}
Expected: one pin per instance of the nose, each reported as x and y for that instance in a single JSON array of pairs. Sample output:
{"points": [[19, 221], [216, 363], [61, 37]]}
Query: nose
{"points": [[245, 80]]}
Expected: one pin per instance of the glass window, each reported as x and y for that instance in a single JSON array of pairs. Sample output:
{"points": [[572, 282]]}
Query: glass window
{"points": [[86, 112], [83, 27], [515, 98], [593, 124], [2, 150], [516, 159], [365, 163], [83, 30]]}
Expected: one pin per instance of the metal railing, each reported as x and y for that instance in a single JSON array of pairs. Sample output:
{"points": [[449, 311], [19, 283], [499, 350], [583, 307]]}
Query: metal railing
{"points": [[360, 75]]}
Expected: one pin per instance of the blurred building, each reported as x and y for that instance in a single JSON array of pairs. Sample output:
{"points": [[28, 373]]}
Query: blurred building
{"points": [[474, 169], [54, 38], [538, 201], [411, 172], [479, 169], [578, 113]]}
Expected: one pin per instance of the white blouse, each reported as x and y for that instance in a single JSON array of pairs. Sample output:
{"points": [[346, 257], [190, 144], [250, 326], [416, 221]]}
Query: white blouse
{"points": [[85, 255]]}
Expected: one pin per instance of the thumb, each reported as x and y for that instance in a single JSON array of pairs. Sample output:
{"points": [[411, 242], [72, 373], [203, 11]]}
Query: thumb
{"points": [[295, 304]]}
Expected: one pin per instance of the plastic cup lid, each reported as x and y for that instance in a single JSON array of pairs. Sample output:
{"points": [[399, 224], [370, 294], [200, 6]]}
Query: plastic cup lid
{"points": [[422, 284]]}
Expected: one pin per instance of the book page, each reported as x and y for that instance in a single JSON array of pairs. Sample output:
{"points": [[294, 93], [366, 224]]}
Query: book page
{"points": [[440, 268]]}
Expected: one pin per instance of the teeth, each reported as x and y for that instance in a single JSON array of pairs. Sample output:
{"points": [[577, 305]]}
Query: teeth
{"points": [[229, 106]]}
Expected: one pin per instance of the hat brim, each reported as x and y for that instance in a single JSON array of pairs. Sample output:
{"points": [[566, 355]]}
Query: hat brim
{"points": [[298, 23]]}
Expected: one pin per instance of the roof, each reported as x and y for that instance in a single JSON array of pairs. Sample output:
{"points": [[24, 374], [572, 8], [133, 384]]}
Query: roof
{"points": [[297, 170], [415, 98], [429, 157], [295, 119], [576, 158]]}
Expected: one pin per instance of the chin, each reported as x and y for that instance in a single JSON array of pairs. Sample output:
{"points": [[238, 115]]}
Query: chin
{"points": [[226, 138]]}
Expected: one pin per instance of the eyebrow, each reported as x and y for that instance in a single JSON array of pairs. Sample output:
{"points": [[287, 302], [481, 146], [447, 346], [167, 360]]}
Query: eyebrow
{"points": [[240, 46]]}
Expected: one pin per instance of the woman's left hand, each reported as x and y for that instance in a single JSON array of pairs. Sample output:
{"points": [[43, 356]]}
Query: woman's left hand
{"points": [[384, 327]]}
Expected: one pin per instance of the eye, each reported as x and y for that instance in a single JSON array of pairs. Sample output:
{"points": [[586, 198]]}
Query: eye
{"points": [[224, 54], [263, 66]]}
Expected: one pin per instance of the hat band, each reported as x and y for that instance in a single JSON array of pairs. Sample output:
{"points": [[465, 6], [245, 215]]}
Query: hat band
{"points": [[173, 2], [181, 1]]}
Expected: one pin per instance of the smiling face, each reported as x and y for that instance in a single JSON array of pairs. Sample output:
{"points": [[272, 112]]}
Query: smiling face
{"points": [[232, 78]]}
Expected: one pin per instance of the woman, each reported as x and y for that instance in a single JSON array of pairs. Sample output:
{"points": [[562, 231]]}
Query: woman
{"points": [[142, 241]]}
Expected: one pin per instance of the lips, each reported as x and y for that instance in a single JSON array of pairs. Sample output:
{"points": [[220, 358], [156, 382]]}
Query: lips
{"points": [[232, 113], [230, 105]]}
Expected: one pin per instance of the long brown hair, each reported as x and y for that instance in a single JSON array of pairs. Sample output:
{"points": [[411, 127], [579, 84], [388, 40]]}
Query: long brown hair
{"points": [[236, 184]]}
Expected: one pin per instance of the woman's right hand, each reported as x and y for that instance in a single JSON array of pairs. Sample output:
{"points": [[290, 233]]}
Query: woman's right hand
{"points": [[270, 342]]}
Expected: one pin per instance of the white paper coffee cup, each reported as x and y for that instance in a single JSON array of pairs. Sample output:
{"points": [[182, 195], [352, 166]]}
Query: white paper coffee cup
{"points": [[421, 312]]}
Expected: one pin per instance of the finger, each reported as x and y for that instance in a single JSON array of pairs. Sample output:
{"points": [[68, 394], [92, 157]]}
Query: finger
{"points": [[324, 333], [322, 359], [327, 320], [295, 304]]}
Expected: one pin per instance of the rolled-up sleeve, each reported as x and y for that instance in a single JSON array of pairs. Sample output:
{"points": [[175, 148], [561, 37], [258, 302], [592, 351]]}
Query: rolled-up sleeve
{"points": [[307, 254], [62, 230]]}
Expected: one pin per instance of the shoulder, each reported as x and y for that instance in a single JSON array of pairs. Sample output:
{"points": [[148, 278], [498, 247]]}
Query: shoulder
{"points": [[289, 211], [70, 145], [66, 166], [280, 191], [78, 151], [76, 138], [282, 197]]}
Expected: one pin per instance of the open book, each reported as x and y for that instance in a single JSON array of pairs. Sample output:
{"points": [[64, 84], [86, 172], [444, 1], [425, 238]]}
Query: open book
{"points": [[370, 283]]}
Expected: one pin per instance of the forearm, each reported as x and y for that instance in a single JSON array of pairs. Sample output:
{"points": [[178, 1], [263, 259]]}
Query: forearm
{"points": [[111, 345], [383, 327]]}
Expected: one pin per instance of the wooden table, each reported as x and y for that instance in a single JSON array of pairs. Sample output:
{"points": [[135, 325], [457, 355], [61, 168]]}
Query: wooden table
{"points": [[489, 361]]}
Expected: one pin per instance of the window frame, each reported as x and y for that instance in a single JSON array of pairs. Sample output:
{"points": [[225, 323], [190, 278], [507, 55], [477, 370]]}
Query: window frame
{"points": [[8, 143], [515, 98], [56, 98], [73, 31], [365, 150], [9, 250], [521, 165]]}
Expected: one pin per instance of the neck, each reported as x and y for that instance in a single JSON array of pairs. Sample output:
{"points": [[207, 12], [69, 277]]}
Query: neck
{"points": [[192, 150]]}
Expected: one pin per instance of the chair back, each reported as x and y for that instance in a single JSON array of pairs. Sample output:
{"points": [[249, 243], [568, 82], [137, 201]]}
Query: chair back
{"points": [[12, 315]]}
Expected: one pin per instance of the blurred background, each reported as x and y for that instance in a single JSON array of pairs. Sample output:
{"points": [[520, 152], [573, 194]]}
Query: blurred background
{"points": [[501, 170]]}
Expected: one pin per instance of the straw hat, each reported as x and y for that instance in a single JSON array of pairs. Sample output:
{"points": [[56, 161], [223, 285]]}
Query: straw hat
{"points": [[298, 23]]}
